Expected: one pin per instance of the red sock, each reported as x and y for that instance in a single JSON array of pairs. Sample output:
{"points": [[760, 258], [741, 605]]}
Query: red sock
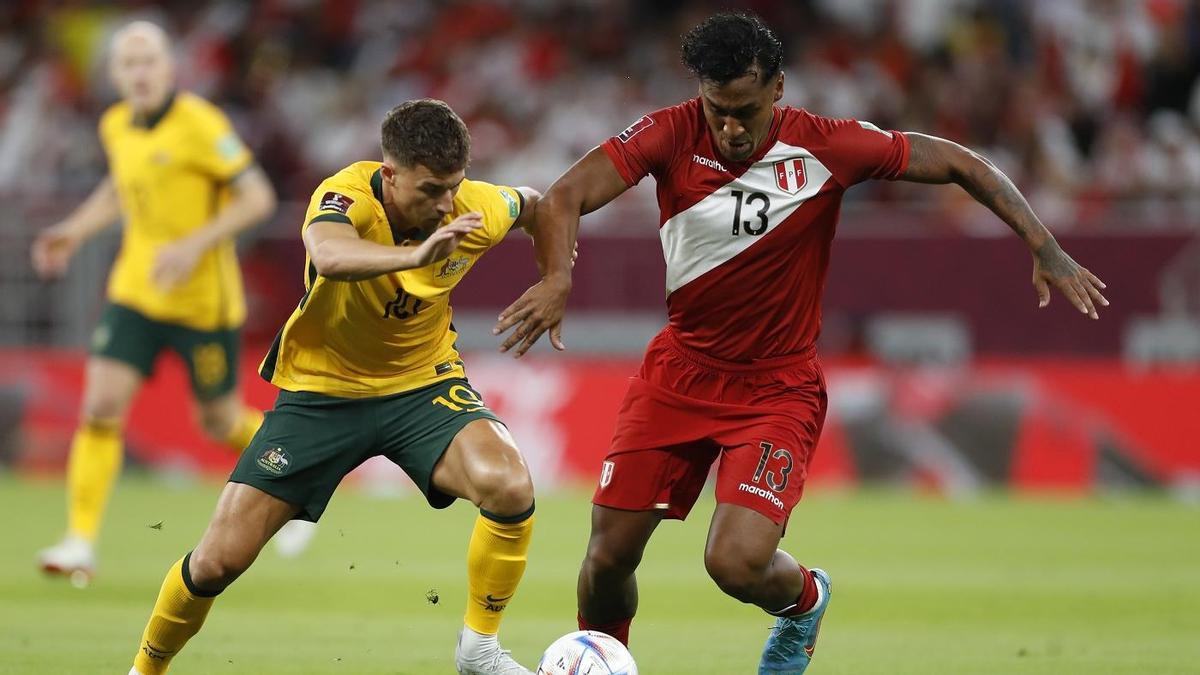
{"points": [[617, 629], [807, 598]]}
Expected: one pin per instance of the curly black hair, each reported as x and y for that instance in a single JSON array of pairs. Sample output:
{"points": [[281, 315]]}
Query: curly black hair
{"points": [[726, 45], [427, 132]]}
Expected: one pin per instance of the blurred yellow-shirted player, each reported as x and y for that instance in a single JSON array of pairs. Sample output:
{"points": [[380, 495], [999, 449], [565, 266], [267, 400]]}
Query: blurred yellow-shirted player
{"points": [[184, 185]]}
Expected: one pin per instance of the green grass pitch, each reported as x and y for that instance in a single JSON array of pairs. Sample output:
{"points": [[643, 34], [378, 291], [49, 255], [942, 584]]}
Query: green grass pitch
{"points": [[921, 586]]}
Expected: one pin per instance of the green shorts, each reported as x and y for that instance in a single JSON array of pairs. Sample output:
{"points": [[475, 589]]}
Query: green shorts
{"points": [[310, 441], [131, 337]]}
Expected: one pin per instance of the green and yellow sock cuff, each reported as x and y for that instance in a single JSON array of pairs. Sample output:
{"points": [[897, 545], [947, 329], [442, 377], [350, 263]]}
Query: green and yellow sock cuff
{"points": [[186, 573], [101, 426], [509, 520]]}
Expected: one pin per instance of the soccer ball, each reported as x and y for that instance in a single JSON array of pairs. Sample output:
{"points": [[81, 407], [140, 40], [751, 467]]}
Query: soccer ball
{"points": [[587, 652]]}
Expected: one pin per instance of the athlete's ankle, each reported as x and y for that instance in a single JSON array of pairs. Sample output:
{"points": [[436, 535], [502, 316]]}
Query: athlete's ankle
{"points": [[618, 629]]}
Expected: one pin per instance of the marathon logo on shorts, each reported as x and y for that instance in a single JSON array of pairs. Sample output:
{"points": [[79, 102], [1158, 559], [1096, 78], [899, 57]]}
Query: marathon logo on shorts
{"points": [[765, 494], [335, 201], [636, 128], [606, 473], [274, 460]]}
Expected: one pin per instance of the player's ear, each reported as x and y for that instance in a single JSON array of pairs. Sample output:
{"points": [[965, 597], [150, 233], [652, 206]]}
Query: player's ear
{"points": [[388, 172], [779, 86]]}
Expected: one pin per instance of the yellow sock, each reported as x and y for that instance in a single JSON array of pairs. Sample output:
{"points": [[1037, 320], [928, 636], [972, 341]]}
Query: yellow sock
{"points": [[247, 425], [92, 469], [495, 564], [178, 615]]}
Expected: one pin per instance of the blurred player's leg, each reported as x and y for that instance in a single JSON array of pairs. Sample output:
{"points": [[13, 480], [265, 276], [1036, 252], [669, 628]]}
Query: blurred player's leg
{"points": [[212, 362], [245, 519], [607, 590], [294, 537], [93, 466], [743, 557], [483, 465], [228, 420]]}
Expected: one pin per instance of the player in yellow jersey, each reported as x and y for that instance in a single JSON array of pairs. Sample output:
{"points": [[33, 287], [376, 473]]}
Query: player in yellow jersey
{"points": [[184, 185], [367, 366]]}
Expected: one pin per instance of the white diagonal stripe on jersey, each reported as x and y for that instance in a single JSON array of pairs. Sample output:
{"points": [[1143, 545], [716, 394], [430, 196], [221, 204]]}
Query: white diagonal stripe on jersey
{"points": [[701, 238]]}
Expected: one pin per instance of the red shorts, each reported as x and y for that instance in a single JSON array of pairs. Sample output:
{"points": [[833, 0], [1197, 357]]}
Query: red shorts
{"points": [[683, 410]]}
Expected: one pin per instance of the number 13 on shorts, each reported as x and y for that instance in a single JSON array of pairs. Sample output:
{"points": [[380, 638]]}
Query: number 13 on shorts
{"points": [[777, 477]]}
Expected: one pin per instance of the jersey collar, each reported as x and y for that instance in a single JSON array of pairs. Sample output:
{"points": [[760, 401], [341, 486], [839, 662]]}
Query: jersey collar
{"points": [[377, 185], [152, 120]]}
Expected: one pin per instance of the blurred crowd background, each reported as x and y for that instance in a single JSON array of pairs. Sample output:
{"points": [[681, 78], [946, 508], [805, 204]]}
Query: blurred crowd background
{"points": [[1090, 105]]}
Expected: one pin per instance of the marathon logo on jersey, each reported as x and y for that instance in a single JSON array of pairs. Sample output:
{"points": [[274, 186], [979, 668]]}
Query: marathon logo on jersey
{"points": [[636, 128], [710, 163], [606, 473], [789, 175], [335, 201], [765, 494]]}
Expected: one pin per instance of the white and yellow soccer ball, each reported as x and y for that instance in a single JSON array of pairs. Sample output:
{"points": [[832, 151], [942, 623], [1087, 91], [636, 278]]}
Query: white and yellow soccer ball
{"points": [[587, 652]]}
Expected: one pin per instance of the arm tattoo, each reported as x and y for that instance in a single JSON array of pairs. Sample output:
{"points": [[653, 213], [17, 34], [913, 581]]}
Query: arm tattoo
{"points": [[935, 160], [990, 187]]}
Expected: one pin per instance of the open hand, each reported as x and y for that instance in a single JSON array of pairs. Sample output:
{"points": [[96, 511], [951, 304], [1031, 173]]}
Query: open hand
{"points": [[52, 251], [1054, 267], [442, 242], [539, 309], [175, 263]]}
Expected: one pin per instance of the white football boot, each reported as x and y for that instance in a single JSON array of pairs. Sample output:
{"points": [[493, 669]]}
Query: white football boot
{"points": [[478, 654], [73, 557]]}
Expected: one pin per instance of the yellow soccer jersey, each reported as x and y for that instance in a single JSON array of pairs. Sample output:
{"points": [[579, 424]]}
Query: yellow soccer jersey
{"points": [[391, 333], [171, 174]]}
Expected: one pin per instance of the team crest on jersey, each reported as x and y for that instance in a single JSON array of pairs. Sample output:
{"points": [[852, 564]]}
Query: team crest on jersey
{"points": [[636, 128], [606, 473], [274, 460], [453, 266], [335, 201], [789, 175]]}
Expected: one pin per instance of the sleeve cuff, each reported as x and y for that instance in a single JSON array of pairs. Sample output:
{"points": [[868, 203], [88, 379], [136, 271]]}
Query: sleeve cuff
{"points": [[618, 162], [330, 218]]}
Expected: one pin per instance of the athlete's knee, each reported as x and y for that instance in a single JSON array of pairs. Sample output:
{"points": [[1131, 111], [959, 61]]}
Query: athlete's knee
{"points": [[104, 409], [607, 556], [218, 422], [212, 570], [504, 489], [737, 575]]}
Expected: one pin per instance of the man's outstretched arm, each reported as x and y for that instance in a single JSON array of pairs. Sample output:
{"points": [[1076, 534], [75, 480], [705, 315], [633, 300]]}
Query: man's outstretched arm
{"points": [[591, 183], [936, 160]]}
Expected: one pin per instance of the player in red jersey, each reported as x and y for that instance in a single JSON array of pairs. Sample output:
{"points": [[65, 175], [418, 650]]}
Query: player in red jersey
{"points": [[749, 194]]}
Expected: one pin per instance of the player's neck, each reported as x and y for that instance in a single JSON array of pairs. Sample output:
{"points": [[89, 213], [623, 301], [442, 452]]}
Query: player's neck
{"points": [[151, 115], [402, 230]]}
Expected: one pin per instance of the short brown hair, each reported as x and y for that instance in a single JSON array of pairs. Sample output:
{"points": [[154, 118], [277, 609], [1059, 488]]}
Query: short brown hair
{"points": [[427, 132]]}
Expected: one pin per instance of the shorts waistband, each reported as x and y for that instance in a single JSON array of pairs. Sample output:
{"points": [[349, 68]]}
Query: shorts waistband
{"points": [[802, 357]]}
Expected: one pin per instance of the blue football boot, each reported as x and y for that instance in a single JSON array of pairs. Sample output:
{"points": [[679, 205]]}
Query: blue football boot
{"points": [[790, 647]]}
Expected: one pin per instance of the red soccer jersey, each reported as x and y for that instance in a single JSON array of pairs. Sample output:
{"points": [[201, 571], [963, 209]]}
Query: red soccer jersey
{"points": [[747, 243]]}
